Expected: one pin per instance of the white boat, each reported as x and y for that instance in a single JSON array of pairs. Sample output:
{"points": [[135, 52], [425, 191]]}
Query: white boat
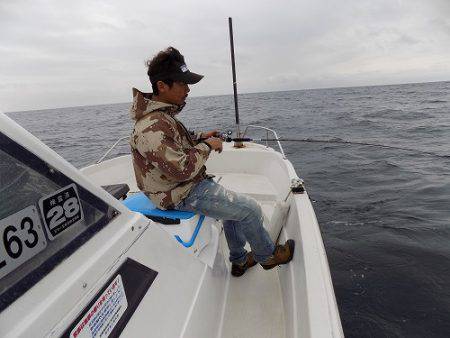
{"points": [[76, 262]]}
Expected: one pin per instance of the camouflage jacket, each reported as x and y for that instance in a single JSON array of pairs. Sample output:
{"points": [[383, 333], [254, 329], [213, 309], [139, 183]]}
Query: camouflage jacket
{"points": [[167, 161]]}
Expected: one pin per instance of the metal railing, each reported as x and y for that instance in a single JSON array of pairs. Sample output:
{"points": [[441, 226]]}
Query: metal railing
{"points": [[110, 149], [267, 136], [243, 135]]}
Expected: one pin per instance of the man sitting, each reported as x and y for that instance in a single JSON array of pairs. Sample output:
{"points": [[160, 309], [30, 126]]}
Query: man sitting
{"points": [[169, 164]]}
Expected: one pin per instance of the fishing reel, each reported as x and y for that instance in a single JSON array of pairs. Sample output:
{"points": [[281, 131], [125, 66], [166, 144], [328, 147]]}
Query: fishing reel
{"points": [[226, 136]]}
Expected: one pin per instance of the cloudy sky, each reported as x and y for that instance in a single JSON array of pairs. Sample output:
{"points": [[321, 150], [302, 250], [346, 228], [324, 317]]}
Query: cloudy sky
{"points": [[58, 53]]}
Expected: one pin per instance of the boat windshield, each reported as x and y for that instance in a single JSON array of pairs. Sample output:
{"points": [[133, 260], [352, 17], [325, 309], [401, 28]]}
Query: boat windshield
{"points": [[44, 217]]}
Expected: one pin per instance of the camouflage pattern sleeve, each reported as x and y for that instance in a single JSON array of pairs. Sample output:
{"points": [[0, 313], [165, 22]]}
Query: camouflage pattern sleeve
{"points": [[162, 146]]}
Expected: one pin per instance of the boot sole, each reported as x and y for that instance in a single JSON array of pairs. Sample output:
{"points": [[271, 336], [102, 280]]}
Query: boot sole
{"points": [[291, 249]]}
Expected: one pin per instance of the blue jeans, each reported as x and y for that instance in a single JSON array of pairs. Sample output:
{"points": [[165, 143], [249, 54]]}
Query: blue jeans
{"points": [[242, 219]]}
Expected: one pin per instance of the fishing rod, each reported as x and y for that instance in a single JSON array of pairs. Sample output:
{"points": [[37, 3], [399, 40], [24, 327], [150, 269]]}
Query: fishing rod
{"points": [[227, 138], [233, 69]]}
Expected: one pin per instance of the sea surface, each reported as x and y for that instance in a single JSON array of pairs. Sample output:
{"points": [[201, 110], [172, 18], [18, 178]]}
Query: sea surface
{"points": [[384, 213]]}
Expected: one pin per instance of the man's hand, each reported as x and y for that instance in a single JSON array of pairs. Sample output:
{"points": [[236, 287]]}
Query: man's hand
{"points": [[215, 143], [208, 134]]}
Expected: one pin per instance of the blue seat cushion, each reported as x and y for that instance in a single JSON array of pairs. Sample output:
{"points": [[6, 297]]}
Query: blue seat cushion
{"points": [[141, 203]]}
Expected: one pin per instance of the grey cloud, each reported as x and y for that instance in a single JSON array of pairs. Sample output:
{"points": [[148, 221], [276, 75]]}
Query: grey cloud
{"points": [[61, 53]]}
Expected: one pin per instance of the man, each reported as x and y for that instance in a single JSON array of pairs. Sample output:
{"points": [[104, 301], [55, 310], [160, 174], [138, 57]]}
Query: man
{"points": [[169, 164]]}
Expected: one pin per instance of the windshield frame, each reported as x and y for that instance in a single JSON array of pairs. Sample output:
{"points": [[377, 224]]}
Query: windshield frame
{"points": [[31, 160]]}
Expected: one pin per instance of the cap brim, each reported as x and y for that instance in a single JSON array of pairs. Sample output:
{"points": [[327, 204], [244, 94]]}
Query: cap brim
{"points": [[188, 77]]}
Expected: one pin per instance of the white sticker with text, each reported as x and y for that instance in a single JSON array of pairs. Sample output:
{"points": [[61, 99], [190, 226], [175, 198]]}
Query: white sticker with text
{"points": [[104, 314]]}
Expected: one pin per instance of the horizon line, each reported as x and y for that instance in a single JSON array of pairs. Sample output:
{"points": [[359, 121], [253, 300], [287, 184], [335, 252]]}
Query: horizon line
{"points": [[230, 94]]}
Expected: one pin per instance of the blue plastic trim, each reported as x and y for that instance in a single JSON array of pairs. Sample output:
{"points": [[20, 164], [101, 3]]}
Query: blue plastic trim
{"points": [[194, 235]]}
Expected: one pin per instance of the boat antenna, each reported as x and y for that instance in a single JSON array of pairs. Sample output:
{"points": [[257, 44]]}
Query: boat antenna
{"points": [[233, 68]]}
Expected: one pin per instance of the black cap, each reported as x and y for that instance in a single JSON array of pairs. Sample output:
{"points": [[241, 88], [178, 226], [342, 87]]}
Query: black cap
{"points": [[177, 72]]}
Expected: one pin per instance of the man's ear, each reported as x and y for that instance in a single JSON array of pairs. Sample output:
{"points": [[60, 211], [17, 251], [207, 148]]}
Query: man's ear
{"points": [[162, 87]]}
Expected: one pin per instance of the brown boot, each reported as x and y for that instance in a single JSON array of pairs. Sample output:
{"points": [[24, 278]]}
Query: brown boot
{"points": [[239, 269], [282, 255]]}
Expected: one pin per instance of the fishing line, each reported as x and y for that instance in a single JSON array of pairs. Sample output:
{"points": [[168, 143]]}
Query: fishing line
{"points": [[331, 141], [238, 141]]}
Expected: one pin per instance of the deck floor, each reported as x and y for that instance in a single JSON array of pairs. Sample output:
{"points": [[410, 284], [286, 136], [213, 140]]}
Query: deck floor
{"points": [[254, 305]]}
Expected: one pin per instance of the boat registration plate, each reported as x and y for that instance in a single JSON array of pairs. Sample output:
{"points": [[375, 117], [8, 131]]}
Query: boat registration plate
{"points": [[61, 210], [21, 238]]}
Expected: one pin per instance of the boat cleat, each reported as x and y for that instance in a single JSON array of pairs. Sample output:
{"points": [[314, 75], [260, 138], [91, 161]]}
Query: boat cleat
{"points": [[297, 186]]}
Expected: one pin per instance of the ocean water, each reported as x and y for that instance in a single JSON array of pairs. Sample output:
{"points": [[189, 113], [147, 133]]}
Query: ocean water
{"points": [[384, 213]]}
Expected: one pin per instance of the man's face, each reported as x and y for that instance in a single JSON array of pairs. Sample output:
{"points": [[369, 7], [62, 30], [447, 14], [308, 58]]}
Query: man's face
{"points": [[176, 94]]}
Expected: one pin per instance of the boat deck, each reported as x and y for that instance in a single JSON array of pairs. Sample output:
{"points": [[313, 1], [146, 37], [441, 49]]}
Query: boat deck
{"points": [[254, 307], [254, 304], [257, 186]]}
